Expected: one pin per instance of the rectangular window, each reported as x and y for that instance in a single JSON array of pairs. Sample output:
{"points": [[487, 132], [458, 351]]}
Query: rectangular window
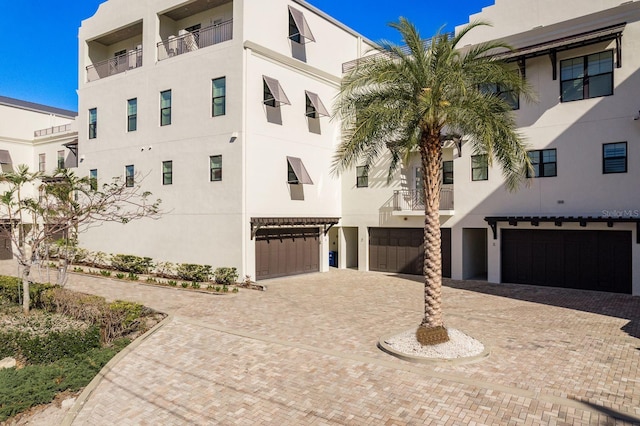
{"points": [[167, 172], [93, 179], [362, 177], [544, 163], [215, 165], [614, 157], [292, 178], [42, 159], [479, 167], [128, 175], [294, 33], [132, 115], [589, 76], [61, 159], [93, 123], [509, 96], [165, 108], [447, 172], [219, 96]]}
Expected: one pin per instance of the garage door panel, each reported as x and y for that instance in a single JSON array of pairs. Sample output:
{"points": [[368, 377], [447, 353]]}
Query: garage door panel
{"points": [[281, 252], [401, 250], [591, 260]]}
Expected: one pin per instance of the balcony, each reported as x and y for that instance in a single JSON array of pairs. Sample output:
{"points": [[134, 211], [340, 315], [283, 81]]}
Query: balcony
{"points": [[52, 130], [115, 65], [190, 41], [412, 201]]}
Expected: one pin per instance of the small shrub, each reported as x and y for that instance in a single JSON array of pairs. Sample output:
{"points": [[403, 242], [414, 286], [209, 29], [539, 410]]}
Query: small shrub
{"points": [[132, 264], [77, 269], [165, 269], [225, 289], [184, 285], [57, 344], [11, 290], [120, 276], [235, 290], [151, 280], [225, 275], [105, 273], [132, 277], [172, 283], [193, 272], [218, 288], [195, 284]]}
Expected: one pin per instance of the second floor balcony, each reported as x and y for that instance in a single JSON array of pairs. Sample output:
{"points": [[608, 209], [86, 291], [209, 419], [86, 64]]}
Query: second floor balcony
{"points": [[190, 41], [412, 201], [115, 65]]}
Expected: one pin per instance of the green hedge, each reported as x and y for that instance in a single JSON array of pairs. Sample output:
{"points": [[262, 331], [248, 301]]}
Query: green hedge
{"points": [[131, 263], [51, 347], [39, 384], [11, 290], [193, 272]]}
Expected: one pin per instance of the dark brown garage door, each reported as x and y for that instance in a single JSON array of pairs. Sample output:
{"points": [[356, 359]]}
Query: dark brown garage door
{"points": [[589, 260], [290, 251], [401, 250]]}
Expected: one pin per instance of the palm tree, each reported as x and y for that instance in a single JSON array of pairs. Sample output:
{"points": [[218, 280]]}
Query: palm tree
{"points": [[412, 99]]}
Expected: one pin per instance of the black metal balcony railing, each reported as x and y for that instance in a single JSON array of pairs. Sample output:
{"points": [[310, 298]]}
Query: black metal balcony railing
{"points": [[115, 65], [195, 40], [52, 130], [412, 200]]}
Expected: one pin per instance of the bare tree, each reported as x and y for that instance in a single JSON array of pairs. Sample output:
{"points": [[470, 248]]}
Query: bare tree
{"points": [[37, 208]]}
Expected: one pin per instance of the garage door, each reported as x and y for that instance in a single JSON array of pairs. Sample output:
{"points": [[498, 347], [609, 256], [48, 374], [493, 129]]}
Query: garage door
{"points": [[290, 251], [589, 260], [401, 250]]}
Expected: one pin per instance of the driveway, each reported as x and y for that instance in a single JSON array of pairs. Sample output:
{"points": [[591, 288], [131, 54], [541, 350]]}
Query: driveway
{"points": [[304, 352]]}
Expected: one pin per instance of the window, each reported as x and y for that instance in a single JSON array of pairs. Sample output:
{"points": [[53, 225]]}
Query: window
{"points": [[447, 172], [507, 95], [219, 96], [93, 179], [215, 166], [165, 108], [362, 177], [167, 172], [479, 167], [132, 115], [586, 77], [614, 158], [544, 163], [61, 159], [297, 172], [298, 27], [93, 123], [273, 95], [42, 162], [314, 106], [128, 175]]}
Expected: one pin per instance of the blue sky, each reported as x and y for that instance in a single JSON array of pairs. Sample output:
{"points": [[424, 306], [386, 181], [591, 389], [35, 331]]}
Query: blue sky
{"points": [[39, 49]]}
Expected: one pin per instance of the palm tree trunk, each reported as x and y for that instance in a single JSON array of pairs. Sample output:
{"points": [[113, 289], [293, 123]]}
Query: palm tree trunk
{"points": [[432, 331]]}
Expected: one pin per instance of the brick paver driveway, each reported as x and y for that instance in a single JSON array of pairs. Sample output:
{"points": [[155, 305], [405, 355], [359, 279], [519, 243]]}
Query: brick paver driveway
{"points": [[304, 352]]}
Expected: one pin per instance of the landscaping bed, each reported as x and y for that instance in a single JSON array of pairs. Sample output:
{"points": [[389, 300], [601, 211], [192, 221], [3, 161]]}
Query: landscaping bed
{"points": [[62, 344]]}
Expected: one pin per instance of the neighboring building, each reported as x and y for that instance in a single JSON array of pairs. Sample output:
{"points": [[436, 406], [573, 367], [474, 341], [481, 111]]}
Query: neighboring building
{"points": [[227, 124], [41, 137], [221, 106], [576, 223]]}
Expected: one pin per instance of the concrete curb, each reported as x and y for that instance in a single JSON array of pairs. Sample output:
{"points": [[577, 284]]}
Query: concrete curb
{"points": [[88, 390], [383, 346]]}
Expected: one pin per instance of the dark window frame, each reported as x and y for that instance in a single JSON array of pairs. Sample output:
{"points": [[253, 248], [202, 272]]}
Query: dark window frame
{"points": [[215, 98], [42, 162], [165, 111], [129, 173], [93, 123], [481, 163], [605, 171], [447, 172], [542, 164], [60, 159], [93, 179], [586, 77], [267, 97], [362, 177], [294, 31], [167, 176], [132, 118], [215, 173]]}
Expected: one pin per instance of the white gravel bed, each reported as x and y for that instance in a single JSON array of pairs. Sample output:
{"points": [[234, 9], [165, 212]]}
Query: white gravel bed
{"points": [[459, 345]]}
